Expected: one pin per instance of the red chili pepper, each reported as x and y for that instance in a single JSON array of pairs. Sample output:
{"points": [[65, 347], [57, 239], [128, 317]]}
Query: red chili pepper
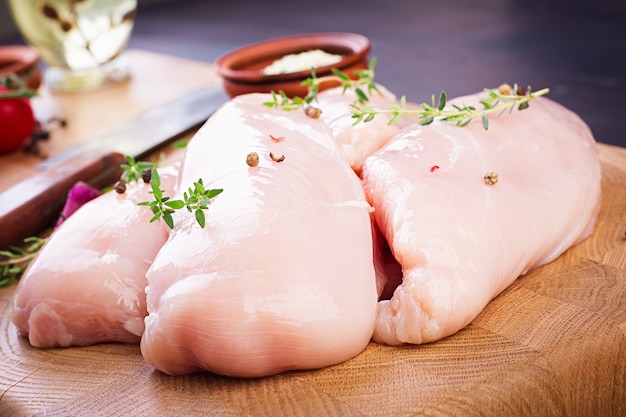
{"points": [[434, 168]]}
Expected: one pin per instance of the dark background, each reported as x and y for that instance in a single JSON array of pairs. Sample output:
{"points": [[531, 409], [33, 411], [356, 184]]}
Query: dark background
{"points": [[576, 48]]}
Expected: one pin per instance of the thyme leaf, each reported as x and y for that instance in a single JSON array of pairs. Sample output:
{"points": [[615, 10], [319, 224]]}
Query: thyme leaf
{"points": [[505, 98], [15, 260], [133, 170], [501, 99], [196, 200], [15, 87], [180, 144]]}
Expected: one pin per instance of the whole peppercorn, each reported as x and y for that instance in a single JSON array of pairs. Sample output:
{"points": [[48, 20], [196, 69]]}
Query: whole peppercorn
{"points": [[313, 112], [120, 187], [252, 159], [277, 158], [146, 175], [491, 178]]}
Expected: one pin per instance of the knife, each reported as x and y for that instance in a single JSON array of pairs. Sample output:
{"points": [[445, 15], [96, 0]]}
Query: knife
{"points": [[32, 205]]}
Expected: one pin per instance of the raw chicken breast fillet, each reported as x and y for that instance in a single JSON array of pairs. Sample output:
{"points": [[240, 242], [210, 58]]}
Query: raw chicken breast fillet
{"points": [[460, 241], [281, 277], [356, 142], [87, 284]]}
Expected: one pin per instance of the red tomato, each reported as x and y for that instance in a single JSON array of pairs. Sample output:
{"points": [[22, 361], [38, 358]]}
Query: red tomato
{"points": [[17, 122]]}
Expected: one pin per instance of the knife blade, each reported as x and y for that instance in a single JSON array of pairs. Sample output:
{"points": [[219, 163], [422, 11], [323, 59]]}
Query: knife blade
{"points": [[32, 205]]}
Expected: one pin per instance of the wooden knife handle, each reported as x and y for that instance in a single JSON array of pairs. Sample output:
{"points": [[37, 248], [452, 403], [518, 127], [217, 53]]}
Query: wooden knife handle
{"points": [[34, 204]]}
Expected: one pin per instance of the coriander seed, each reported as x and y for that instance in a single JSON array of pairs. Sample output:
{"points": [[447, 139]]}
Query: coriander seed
{"points": [[505, 89], [252, 159], [491, 178], [313, 112]]}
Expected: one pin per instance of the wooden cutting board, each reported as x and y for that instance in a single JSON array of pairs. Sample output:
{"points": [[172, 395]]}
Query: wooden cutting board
{"points": [[554, 343]]}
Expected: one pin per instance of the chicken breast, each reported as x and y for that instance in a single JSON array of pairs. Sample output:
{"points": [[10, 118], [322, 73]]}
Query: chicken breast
{"points": [[356, 142], [281, 277], [461, 241], [87, 284]]}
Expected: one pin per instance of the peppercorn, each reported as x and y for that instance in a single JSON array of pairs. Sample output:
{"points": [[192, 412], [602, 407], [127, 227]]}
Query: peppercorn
{"points": [[146, 175], [252, 159], [491, 178], [120, 187], [505, 89], [277, 158], [313, 112]]}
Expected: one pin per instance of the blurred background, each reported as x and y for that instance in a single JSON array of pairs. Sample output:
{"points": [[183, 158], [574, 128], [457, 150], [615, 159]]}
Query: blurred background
{"points": [[576, 48]]}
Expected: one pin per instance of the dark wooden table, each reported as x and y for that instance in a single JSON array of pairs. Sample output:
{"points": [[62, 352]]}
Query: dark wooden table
{"points": [[575, 47]]}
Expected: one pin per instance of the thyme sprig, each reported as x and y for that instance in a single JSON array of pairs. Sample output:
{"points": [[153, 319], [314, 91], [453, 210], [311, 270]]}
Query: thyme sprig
{"points": [[197, 200], [15, 260], [497, 101], [133, 170], [16, 87], [363, 85]]}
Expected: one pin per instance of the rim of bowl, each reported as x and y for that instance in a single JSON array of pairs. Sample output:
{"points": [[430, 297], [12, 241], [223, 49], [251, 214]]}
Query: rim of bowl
{"points": [[234, 64], [15, 59]]}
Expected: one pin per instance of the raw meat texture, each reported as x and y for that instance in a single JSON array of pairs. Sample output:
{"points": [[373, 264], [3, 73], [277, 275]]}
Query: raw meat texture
{"points": [[461, 242], [87, 284], [388, 270], [281, 277], [356, 142]]}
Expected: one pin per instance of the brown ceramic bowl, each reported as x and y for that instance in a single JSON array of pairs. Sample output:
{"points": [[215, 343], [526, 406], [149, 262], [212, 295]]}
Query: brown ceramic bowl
{"points": [[22, 61], [242, 69]]}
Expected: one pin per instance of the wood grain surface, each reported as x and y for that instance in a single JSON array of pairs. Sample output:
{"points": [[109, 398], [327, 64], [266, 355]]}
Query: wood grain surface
{"points": [[552, 344]]}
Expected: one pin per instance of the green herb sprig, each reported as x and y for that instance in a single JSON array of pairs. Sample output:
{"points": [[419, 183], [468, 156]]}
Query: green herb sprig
{"points": [[363, 85], [197, 200], [15, 260], [180, 144], [133, 170], [498, 100], [15, 87]]}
